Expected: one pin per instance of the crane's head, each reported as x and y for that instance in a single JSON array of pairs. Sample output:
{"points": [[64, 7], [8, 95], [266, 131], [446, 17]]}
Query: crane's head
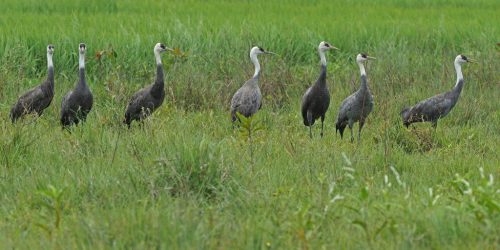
{"points": [[259, 50], [324, 46], [82, 48], [364, 57], [160, 47], [50, 49], [460, 59]]}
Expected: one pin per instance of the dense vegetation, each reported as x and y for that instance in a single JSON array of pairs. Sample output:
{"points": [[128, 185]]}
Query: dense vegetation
{"points": [[186, 179]]}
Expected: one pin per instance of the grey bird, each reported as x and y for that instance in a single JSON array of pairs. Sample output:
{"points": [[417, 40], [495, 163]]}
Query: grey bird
{"points": [[38, 98], [77, 103], [357, 106], [438, 106], [148, 99], [248, 99], [316, 100]]}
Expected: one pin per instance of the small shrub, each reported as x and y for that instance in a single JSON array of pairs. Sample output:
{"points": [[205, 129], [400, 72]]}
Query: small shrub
{"points": [[194, 168], [415, 139], [51, 205]]}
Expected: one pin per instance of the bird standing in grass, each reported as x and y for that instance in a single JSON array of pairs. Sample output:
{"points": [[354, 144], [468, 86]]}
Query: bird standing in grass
{"points": [[38, 98], [438, 106], [77, 103], [316, 100], [148, 99], [357, 106], [248, 99]]}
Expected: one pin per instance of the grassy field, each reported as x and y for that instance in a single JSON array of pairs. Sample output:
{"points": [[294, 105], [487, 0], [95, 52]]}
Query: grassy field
{"points": [[187, 180]]}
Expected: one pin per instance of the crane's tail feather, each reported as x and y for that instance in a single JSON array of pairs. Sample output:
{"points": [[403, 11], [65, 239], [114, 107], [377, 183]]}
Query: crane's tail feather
{"points": [[306, 123], [128, 119], [304, 118], [405, 116], [16, 112], [340, 128], [13, 116]]}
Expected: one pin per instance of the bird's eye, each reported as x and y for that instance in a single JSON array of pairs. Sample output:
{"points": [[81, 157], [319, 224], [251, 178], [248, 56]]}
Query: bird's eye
{"points": [[464, 58], [162, 46], [261, 49], [363, 55], [327, 45]]}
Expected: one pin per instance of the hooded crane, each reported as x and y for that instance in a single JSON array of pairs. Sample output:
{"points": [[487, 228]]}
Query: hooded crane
{"points": [[316, 100], [38, 98], [438, 106], [248, 99], [77, 103], [148, 99], [357, 106]]}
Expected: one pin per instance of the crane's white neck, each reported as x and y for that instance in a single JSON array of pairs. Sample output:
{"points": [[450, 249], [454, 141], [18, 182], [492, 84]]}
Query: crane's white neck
{"points": [[458, 68], [81, 61], [322, 56], [253, 57], [157, 57], [362, 68], [49, 61]]}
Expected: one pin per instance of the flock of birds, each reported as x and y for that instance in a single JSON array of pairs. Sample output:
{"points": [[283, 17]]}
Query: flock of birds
{"points": [[247, 100]]}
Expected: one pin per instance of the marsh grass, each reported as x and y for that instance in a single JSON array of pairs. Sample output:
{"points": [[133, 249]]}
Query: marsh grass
{"points": [[185, 179]]}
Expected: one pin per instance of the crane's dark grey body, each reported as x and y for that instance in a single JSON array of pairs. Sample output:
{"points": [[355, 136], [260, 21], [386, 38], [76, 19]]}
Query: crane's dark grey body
{"points": [[77, 103], [247, 100], [316, 101], [355, 108], [433, 108], [146, 100], [36, 99]]}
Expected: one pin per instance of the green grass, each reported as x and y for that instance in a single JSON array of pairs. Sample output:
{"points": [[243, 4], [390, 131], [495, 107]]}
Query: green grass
{"points": [[187, 180]]}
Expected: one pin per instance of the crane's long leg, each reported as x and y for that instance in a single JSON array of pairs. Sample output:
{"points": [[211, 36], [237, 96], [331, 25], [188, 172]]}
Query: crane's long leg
{"points": [[322, 119], [435, 124], [309, 120], [352, 135], [233, 119], [361, 124]]}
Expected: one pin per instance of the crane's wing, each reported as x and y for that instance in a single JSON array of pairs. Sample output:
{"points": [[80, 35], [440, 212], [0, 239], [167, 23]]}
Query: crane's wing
{"points": [[306, 103], [246, 101], [136, 97], [32, 98], [345, 107], [25, 103], [237, 99], [66, 114], [140, 100], [65, 104], [431, 108]]}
